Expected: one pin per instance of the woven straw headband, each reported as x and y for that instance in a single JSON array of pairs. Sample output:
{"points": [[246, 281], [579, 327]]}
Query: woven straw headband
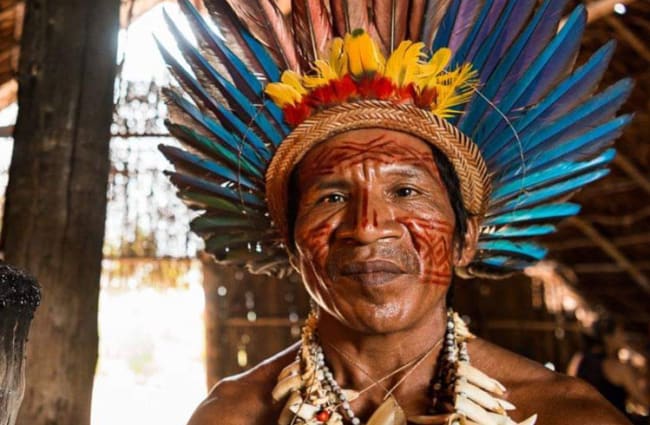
{"points": [[463, 154]]}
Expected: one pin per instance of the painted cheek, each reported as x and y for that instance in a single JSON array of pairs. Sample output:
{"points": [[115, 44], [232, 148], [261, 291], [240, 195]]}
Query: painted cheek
{"points": [[432, 240], [314, 243]]}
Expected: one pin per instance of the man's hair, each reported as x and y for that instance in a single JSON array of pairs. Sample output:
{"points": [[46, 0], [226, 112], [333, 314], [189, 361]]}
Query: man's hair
{"points": [[449, 179]]}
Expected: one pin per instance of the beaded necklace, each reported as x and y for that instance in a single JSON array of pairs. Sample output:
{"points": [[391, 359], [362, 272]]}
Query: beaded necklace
{"points": [[461, 393]]}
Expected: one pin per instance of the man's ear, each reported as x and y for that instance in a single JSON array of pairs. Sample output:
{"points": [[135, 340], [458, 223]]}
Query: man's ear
{"points": [[470, 243]]}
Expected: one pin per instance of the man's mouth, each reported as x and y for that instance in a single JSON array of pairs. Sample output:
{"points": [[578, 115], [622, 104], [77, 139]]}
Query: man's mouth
{"points": [[373, 272]]}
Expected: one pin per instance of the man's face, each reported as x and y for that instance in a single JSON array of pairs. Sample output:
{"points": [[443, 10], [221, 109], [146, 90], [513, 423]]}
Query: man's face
{"points": [[374, 229]]}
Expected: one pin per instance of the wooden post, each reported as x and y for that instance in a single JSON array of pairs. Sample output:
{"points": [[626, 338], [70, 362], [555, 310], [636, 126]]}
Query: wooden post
{"points": [[213, 275], [19, 297], [56, 197]]}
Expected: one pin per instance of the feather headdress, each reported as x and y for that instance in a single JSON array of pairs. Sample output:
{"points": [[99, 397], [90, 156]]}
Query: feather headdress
{"points": [[522, 128]]}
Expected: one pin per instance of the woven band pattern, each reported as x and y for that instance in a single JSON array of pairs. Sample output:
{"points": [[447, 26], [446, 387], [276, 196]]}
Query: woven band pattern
{"points": [[463, 154]]}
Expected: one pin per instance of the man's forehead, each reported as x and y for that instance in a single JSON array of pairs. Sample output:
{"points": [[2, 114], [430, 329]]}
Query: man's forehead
{"points": [[368, 145]]}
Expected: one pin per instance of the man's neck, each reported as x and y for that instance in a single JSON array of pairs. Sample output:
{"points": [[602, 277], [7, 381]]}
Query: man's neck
{"points": [[359, 360]]}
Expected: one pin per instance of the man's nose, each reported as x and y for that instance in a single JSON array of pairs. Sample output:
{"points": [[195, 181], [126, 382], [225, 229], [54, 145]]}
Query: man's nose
{"points": [[368, 219]]}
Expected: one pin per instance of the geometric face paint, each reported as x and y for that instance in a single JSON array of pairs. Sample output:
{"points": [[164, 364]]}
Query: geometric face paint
{"points": [[374, 228]]}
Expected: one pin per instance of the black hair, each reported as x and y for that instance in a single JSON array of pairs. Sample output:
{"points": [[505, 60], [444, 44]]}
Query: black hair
{"points": [[449, 179]]}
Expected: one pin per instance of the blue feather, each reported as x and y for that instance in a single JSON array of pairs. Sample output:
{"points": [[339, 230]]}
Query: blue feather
{"points": [[579, 147], [548, 193], [464, 22], [461, 55], [523, 249], [246, 42], [505, 189], [235, 98], [566, 95], [185, 182], [446, 26], [217, 204], [534, 79], [216, 130], [508, 232], [546, 212], [248, 81], [180, 157], [235, 66], [504, 263], [227, 118], [207, 223], [519, 53], [512, 26], [592, 112]]}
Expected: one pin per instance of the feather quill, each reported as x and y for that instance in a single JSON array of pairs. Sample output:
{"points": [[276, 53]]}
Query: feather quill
{"points": [[434, 12], [390, 17], [416, 19], [238, 39], [312, 26], [265, 20]]}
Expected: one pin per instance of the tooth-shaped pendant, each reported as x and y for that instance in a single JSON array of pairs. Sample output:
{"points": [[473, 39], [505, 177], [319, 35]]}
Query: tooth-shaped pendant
{"points": [[351, 395], [287, 415], [473, 411], [292, 369], [285, 386], [475, 376], [479, 396], [389, 413]]}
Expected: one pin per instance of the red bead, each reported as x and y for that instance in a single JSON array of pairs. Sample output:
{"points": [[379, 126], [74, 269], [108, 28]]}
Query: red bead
{"points": [[323, 416]]}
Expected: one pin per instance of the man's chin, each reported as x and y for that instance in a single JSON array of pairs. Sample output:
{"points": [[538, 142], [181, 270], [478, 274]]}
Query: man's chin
{"points": [[382, 319]]}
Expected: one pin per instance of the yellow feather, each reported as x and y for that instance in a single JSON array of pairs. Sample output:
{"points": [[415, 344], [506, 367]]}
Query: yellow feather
{"points": [[403, 64], [337, 57], [294, 80], [437, 63], [324, 74], [458, 90], [363, 54], [283, 94]]}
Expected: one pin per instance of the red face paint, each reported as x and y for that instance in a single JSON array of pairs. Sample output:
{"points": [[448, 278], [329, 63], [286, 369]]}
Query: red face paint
{"points": [[374, 224]]}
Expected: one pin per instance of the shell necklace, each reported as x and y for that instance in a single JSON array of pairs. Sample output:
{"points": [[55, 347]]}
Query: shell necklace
{"points": [[461, 393]]}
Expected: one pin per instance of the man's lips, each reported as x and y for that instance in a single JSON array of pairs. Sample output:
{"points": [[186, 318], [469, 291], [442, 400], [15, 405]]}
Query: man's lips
{"points": [[371, 266], [372, 272]]}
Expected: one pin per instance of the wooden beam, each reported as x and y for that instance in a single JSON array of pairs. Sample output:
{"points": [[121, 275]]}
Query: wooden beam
{"points": [[602, 8], [599, 9], [594, 268], [636, 239], [610, 249], [619, 220], [531, 325], [629, 37], [628, 167]]}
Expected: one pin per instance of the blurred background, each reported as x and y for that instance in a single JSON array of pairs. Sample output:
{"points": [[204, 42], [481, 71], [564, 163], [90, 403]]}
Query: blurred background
{"points": [[170, 322]]}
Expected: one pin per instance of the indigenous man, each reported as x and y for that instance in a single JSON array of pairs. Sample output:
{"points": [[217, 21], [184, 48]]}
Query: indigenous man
{"points": [[357, 177]]}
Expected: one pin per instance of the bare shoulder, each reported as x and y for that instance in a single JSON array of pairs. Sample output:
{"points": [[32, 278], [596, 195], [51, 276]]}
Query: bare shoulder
{"points": [[244, 399], [555, 398]]}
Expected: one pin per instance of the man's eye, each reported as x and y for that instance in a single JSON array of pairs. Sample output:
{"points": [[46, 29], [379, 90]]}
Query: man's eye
{"points": [[333, 198], [405, 192]]}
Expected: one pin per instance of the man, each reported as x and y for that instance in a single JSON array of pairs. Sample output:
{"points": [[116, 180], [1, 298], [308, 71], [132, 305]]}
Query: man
{"points": [[371, 272], [405, 142]]}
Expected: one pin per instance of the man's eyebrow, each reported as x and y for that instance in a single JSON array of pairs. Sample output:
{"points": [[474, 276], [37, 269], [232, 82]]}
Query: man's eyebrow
{"points": [[411, 171], [330, 184]]}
